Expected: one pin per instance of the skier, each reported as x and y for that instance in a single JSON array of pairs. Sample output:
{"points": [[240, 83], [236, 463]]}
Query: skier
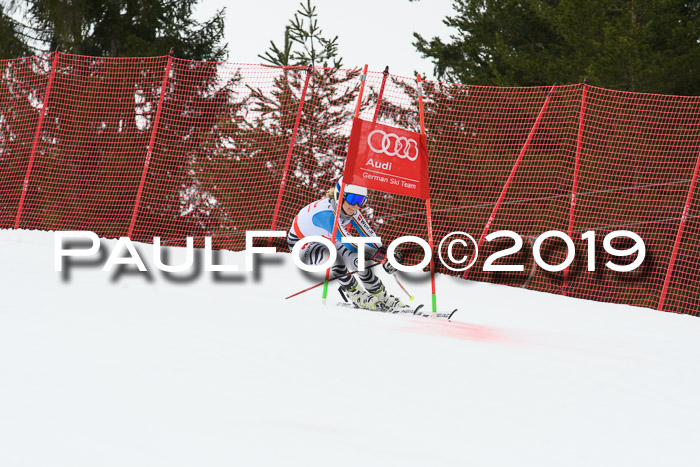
{"points": [[318, 218]]}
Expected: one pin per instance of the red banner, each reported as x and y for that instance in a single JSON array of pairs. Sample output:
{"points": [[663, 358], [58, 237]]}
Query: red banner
{"points": [[388, 159]]}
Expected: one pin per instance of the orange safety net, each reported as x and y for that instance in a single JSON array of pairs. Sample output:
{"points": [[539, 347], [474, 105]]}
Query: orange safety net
{"points": [[160, 146]]}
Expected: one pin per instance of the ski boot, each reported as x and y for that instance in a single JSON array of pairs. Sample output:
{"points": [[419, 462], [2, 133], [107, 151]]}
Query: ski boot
{"points": [[356, 295], [387, 301]]}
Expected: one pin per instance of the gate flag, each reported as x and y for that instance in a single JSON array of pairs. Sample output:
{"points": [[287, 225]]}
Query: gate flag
{"points": [[388, 159]]}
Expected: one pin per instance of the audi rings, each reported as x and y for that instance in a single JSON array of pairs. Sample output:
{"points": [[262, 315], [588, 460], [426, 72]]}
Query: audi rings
{"points": [[392, 144]]}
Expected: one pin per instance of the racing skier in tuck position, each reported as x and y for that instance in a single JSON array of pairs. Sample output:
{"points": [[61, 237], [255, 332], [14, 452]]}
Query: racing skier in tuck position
{"points": [[317, 219]]}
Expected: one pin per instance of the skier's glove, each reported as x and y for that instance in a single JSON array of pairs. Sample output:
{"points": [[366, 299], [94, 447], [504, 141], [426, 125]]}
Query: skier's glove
{"points": [[387, 265], [380, 255]]}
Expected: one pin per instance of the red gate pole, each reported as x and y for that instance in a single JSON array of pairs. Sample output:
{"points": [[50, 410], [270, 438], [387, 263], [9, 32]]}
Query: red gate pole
{"points": [[283, 183], [427, 204], [150, 145], [35, 142], [512, 172], [342, 187], [574, 185], [381, 93], [679, 235]]}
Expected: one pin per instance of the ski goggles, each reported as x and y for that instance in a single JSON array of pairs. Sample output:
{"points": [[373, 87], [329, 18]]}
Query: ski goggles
{"points": [[355, 200]]}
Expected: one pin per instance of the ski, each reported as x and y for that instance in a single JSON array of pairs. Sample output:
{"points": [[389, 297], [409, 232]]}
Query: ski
{"points": [[440, 314], [393, 311], [417, 311]]}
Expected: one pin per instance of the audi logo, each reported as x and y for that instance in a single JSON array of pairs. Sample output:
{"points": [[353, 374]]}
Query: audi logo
{"points": [[392, 144]]}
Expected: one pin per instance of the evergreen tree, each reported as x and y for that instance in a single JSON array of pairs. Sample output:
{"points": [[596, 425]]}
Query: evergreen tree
{"points": [[304, 43], [329, 104], [236, 172], [127, 28], [191, 188], [634, 45], [97, 135], [13, 42]]}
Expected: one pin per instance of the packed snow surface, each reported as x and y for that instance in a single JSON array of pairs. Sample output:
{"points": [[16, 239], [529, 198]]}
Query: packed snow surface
{"points": [[201, 369]]}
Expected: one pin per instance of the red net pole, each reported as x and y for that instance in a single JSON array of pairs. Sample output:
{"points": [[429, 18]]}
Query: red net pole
{"points": [[512, 172], [35, 142], [150, 145], [427, 205], [574, 185], [679, 235], [289, 152], [342, 187]]}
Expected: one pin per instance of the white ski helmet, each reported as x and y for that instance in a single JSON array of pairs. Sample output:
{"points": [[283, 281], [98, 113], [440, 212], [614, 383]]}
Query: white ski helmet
{"points": [[353, 194]]}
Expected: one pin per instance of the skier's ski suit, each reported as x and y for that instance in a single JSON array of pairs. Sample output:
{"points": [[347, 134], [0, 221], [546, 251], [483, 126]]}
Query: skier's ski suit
{"points": [[317, 218]]}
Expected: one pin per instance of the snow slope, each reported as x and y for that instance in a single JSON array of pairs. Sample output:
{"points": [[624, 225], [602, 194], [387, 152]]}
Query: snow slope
{"points": [[105, 370]]}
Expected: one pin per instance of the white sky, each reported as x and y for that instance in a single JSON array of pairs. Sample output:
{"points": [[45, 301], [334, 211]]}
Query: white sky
{"points": [[376, 32]]}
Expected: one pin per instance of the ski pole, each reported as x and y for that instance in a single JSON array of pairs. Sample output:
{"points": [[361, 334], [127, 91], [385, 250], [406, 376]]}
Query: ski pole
{"points": [[410, 297], [329, 280]]}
